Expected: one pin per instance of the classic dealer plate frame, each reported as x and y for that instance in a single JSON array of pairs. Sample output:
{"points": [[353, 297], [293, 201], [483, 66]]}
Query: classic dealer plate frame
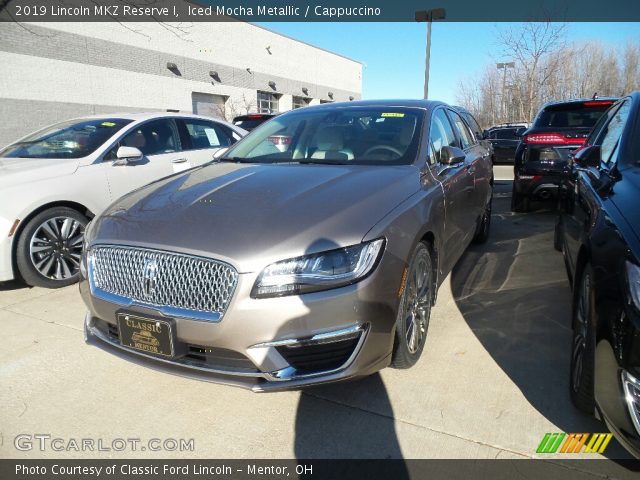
{"points": [[146, 336]]}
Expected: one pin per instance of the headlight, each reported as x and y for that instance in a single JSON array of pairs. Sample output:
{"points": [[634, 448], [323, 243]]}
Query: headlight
{"points": [[633, 278], [320, 271]]}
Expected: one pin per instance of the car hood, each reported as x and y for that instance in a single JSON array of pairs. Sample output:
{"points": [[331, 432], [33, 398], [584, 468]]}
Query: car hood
{"points": [[253, 215], [18, 171]]}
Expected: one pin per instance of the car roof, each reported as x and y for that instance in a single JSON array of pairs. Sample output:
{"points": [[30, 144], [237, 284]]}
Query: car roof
{"points": [[138, 116], [579, 100], [407, 103]]}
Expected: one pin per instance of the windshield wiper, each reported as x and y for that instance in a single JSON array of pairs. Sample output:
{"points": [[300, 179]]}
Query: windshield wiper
{"points": [[322, 162], [233, 159]]}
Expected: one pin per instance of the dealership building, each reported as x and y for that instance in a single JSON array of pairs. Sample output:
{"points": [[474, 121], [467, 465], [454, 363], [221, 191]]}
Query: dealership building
{"points": [[56, 71]]}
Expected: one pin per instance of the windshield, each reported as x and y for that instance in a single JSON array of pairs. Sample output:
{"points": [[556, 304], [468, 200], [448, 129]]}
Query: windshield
{"points": [[340, 135], [72, 139]]}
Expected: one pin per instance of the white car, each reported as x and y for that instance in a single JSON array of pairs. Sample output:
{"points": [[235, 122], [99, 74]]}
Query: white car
{"points": [[54, 181]]}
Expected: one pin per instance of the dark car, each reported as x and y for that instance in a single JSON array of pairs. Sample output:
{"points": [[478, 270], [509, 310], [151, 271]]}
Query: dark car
{"points": [[598, 231], [505, 140], [541, 156], [252, 120], [310, 253]]}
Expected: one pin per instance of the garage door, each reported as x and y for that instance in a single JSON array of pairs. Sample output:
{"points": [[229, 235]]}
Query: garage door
{"points": [[208, 104]]}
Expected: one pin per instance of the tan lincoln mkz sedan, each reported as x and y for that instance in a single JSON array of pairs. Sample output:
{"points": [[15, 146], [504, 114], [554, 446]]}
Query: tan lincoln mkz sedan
{"points": [[311, 252]]}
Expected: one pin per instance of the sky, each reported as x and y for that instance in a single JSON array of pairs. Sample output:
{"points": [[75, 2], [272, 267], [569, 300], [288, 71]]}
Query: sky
{"points": [[393, 54]]}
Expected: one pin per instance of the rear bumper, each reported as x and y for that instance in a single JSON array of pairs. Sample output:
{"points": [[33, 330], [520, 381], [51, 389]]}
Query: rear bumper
{"points": [[542, 186]]}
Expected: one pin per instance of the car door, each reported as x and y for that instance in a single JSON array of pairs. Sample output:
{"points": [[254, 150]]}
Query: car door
{"points": [[585, 200], [201, 139], [159, 142], [457, 187], [476, 163]]}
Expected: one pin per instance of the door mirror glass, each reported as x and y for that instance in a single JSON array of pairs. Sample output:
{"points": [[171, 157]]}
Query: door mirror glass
{"points": [[588, 157], [451, 155]]}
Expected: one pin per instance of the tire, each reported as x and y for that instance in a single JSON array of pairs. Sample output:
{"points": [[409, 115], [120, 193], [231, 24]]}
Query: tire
{"points": [[583, 345], [557, 235], [482, 234], [57, 235], [519, 202], [414, 312]]}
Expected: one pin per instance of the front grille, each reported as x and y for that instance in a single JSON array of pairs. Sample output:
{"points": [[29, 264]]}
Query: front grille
{"points": [[163, 278], [320, 357]]}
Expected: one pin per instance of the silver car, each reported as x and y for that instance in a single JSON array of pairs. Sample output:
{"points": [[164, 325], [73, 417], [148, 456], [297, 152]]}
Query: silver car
{"points": [[311, 252]]}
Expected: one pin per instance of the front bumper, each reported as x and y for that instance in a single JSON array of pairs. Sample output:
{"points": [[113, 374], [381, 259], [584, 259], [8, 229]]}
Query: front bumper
{"points": [[270, 344], [6, 242]]}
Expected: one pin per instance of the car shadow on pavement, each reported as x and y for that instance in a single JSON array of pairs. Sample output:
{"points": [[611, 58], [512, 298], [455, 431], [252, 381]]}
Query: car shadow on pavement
{"points": [[13, 285], [514, 294], [328, 425]]}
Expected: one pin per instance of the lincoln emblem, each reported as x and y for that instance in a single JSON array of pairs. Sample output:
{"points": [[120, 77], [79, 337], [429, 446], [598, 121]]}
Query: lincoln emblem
{"points": [[149, 277]]}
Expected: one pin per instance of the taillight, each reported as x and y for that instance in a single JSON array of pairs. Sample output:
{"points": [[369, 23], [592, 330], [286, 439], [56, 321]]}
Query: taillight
{"points": [[551, 139]]}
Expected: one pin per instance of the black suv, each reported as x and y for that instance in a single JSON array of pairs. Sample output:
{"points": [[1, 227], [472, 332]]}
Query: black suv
{"points": [[598, 231], [505, 140], [541, 156], [252, 120]]}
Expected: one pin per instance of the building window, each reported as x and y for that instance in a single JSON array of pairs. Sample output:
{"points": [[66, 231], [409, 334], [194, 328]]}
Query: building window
{"points": [[299, 102], [267, 102]]}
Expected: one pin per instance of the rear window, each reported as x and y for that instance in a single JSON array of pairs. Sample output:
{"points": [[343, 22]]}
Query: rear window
{"points": [[572, 115], [506, 134]]}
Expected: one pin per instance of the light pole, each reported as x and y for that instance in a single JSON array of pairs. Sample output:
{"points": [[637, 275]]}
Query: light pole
{"points": [[429, 16], [504, 67]]}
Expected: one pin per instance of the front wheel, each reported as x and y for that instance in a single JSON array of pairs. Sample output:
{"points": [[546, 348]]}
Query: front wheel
{"points": [[583, 345], [49, 248], [412, 321]]}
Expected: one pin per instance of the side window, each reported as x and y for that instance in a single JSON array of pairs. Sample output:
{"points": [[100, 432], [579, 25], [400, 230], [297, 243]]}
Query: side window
{"points": [[232, 135], [462, 130], [475, 128], [610, 134], [204, 134], [153, 138], [441, 133]]}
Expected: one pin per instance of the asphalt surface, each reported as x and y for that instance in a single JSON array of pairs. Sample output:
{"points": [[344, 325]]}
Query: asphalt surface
{"points": [[493, 378]]}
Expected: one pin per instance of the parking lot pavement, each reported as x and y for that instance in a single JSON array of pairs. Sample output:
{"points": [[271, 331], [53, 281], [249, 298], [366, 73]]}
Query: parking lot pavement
{"points": [[492, 381]]}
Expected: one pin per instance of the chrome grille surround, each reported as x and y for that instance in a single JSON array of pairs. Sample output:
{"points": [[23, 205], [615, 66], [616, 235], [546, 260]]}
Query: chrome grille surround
{"points": [[176, 284]]}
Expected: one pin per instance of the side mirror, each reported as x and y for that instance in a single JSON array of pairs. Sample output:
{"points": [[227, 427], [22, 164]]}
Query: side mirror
{"points": [[451, 155], [485, 134], [588, 157], [128, 155], [220, 152]]}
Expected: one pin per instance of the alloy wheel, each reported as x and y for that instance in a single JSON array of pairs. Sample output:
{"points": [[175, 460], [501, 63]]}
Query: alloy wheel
{"points": [[580, 333], [56, 246], [418, 304]]}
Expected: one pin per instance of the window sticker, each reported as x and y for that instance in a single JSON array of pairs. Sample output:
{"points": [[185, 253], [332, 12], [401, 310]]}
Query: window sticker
{"points": [[108, 124], [392, 114], [212, 137]]}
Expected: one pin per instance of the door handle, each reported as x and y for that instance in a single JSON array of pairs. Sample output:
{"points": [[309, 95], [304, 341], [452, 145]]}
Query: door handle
{"points": [[178, 160]]}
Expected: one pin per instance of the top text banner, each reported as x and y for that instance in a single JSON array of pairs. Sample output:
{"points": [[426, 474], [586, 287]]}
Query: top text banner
{"points": [[318, 10]]}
